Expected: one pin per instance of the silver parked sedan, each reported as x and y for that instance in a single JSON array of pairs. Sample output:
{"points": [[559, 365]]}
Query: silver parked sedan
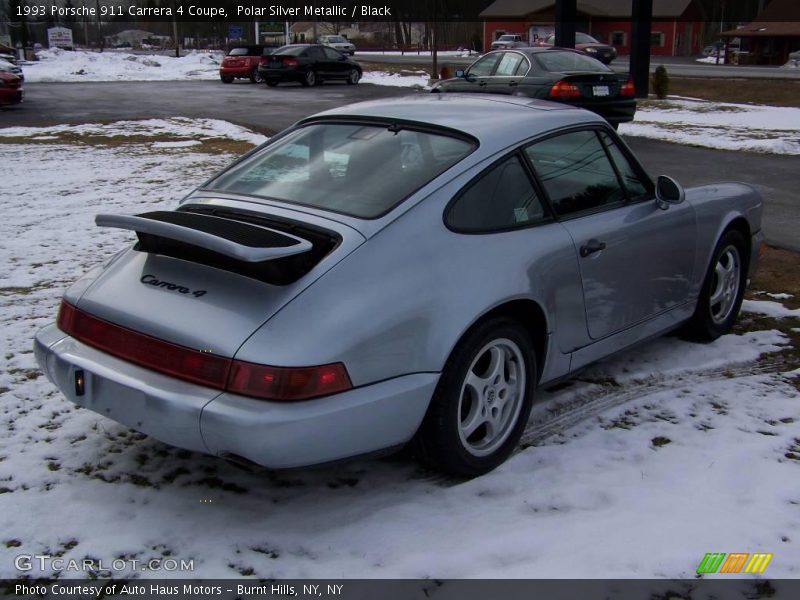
{"points": [[396, 271]]}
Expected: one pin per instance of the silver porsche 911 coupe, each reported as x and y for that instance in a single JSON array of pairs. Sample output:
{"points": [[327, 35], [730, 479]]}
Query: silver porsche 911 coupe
{"points": [[393, 272]]}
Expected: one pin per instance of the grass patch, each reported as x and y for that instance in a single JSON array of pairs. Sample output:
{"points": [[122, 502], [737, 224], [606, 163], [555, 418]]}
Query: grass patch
{"points": [[775, 92]]}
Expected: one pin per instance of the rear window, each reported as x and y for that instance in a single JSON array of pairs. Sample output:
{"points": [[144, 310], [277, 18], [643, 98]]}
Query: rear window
{"points": [[565, 62], [291, 50], [244, 52], [356, 169]]}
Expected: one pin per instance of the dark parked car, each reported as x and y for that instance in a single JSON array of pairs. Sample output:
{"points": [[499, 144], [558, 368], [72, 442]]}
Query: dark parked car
{"points": [[242, 63], [556, 74], [586, 43], [310, 64], [11, 91]]}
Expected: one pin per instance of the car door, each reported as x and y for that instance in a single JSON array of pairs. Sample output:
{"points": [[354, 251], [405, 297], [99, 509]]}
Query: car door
{"points": [[477, 76], [318, 61], [508, 73], [636, 260], [336, 63]]}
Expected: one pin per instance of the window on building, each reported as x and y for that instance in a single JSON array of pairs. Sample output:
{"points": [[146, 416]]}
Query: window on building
{"points": [[617, 38], [657, 39]]}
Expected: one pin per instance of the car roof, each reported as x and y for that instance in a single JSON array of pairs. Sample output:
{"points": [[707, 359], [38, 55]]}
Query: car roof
{"points": [[491, 119]]}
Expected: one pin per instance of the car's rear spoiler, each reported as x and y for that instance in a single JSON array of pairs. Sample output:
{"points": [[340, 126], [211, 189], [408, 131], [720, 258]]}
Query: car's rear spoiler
{"points": [[235, 239]]}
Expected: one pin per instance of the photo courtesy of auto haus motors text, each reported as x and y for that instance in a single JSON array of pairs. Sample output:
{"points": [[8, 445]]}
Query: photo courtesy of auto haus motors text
{"points": [[184, 590]]}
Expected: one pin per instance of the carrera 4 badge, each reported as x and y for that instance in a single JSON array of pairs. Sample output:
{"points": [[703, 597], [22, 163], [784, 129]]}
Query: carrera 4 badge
{"points": [[172, 287]]}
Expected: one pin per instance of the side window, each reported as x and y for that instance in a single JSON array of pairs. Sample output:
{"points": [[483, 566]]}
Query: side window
{"points": [[508, 64], [634, 186], [484, 66], [316, 53], [523, 67], [575, 172], [503, 197], [331, 54]]}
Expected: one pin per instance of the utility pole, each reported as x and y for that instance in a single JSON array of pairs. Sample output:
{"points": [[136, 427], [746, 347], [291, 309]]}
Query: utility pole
{"points": [[641, 17], [566, 15]]}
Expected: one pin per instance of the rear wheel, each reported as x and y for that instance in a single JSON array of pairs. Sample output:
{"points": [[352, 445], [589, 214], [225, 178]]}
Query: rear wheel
{"points": [[353, 77], [482, 402], [310, 78], [271, 82], [723, 289], [255, 77], [226, 78]]}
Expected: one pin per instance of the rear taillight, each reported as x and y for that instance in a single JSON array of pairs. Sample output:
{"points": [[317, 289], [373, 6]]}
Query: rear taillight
{"points": [[238, 377], [628, 89], [564, 89], [184, 363], [263, 60], [289, 61], [261, 381]]}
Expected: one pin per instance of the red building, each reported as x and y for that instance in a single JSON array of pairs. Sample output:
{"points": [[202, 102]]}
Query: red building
{"points": [[677, 27]]}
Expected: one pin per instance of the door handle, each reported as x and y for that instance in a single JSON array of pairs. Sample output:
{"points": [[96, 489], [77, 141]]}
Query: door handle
{"points": [[513, 83], [481, 83], [591, 247]]}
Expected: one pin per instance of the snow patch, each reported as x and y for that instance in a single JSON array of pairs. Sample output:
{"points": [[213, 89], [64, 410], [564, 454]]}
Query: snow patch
{"points": [[769, 308]]}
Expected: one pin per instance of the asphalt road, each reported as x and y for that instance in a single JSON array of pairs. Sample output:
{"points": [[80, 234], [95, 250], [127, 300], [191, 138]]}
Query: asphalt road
{"points": [[271, 109]]}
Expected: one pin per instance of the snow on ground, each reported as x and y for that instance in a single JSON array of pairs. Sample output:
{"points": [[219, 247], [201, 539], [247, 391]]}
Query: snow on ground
{"points": [[720, 125], [770, 309], [60, 65], [80, 65], [672, 451], [422, 53]]}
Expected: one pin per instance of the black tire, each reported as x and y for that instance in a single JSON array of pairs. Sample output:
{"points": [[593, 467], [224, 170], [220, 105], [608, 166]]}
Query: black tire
{"points": [[441, 443], [255, 77], [714, 317], [226, 78], [615, 126], [310, 78], [271, 82], [353, 77]]}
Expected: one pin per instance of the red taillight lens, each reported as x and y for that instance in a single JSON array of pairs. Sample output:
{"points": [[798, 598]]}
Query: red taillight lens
{"points": [[203, 368], [289, 62], [628, 89], [261, 381], [564, 89], [263, 60], [178, 361]]}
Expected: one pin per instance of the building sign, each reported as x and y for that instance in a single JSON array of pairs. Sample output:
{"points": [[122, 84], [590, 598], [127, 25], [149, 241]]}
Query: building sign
{"points": [[59, 37]]}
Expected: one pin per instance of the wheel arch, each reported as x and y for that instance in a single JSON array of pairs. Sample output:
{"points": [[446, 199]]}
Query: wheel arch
{"points": [[528, 313]]}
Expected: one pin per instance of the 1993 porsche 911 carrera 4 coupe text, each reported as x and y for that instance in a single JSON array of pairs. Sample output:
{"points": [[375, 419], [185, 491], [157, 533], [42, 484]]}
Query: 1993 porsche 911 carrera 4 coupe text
{"points": [[393, 272]]}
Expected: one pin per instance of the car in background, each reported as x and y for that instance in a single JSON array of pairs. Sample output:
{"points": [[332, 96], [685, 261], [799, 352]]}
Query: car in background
{"points": [[397, 271], [509, 40], [9, 64], [338, 42], [558, 74], [11, 91], [308, 64], [586, 43], [242, 63]]}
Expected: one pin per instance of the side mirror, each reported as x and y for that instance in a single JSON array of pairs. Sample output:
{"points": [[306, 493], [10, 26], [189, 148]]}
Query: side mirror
{"points": [[668, 191], [460, 73]]}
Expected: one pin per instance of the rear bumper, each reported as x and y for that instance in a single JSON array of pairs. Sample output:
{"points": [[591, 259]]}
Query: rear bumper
{"points": [[275, 435], [281, 74], [11, 96], [616, 111], [235, 71]]}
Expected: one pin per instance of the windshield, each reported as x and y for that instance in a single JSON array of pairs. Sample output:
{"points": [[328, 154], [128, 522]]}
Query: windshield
{"points": [[337, 39], [567, 61], [507, 38], [238, 52], [355, 169]]}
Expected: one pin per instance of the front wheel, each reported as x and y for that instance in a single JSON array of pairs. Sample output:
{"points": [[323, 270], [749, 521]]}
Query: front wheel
{"points": [[353, 77], [723, 289], [482, 402], [226, 79]]}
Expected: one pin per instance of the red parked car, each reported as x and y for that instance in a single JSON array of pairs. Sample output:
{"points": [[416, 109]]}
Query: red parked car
{"points": [[242, 63], [11, 91]]}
